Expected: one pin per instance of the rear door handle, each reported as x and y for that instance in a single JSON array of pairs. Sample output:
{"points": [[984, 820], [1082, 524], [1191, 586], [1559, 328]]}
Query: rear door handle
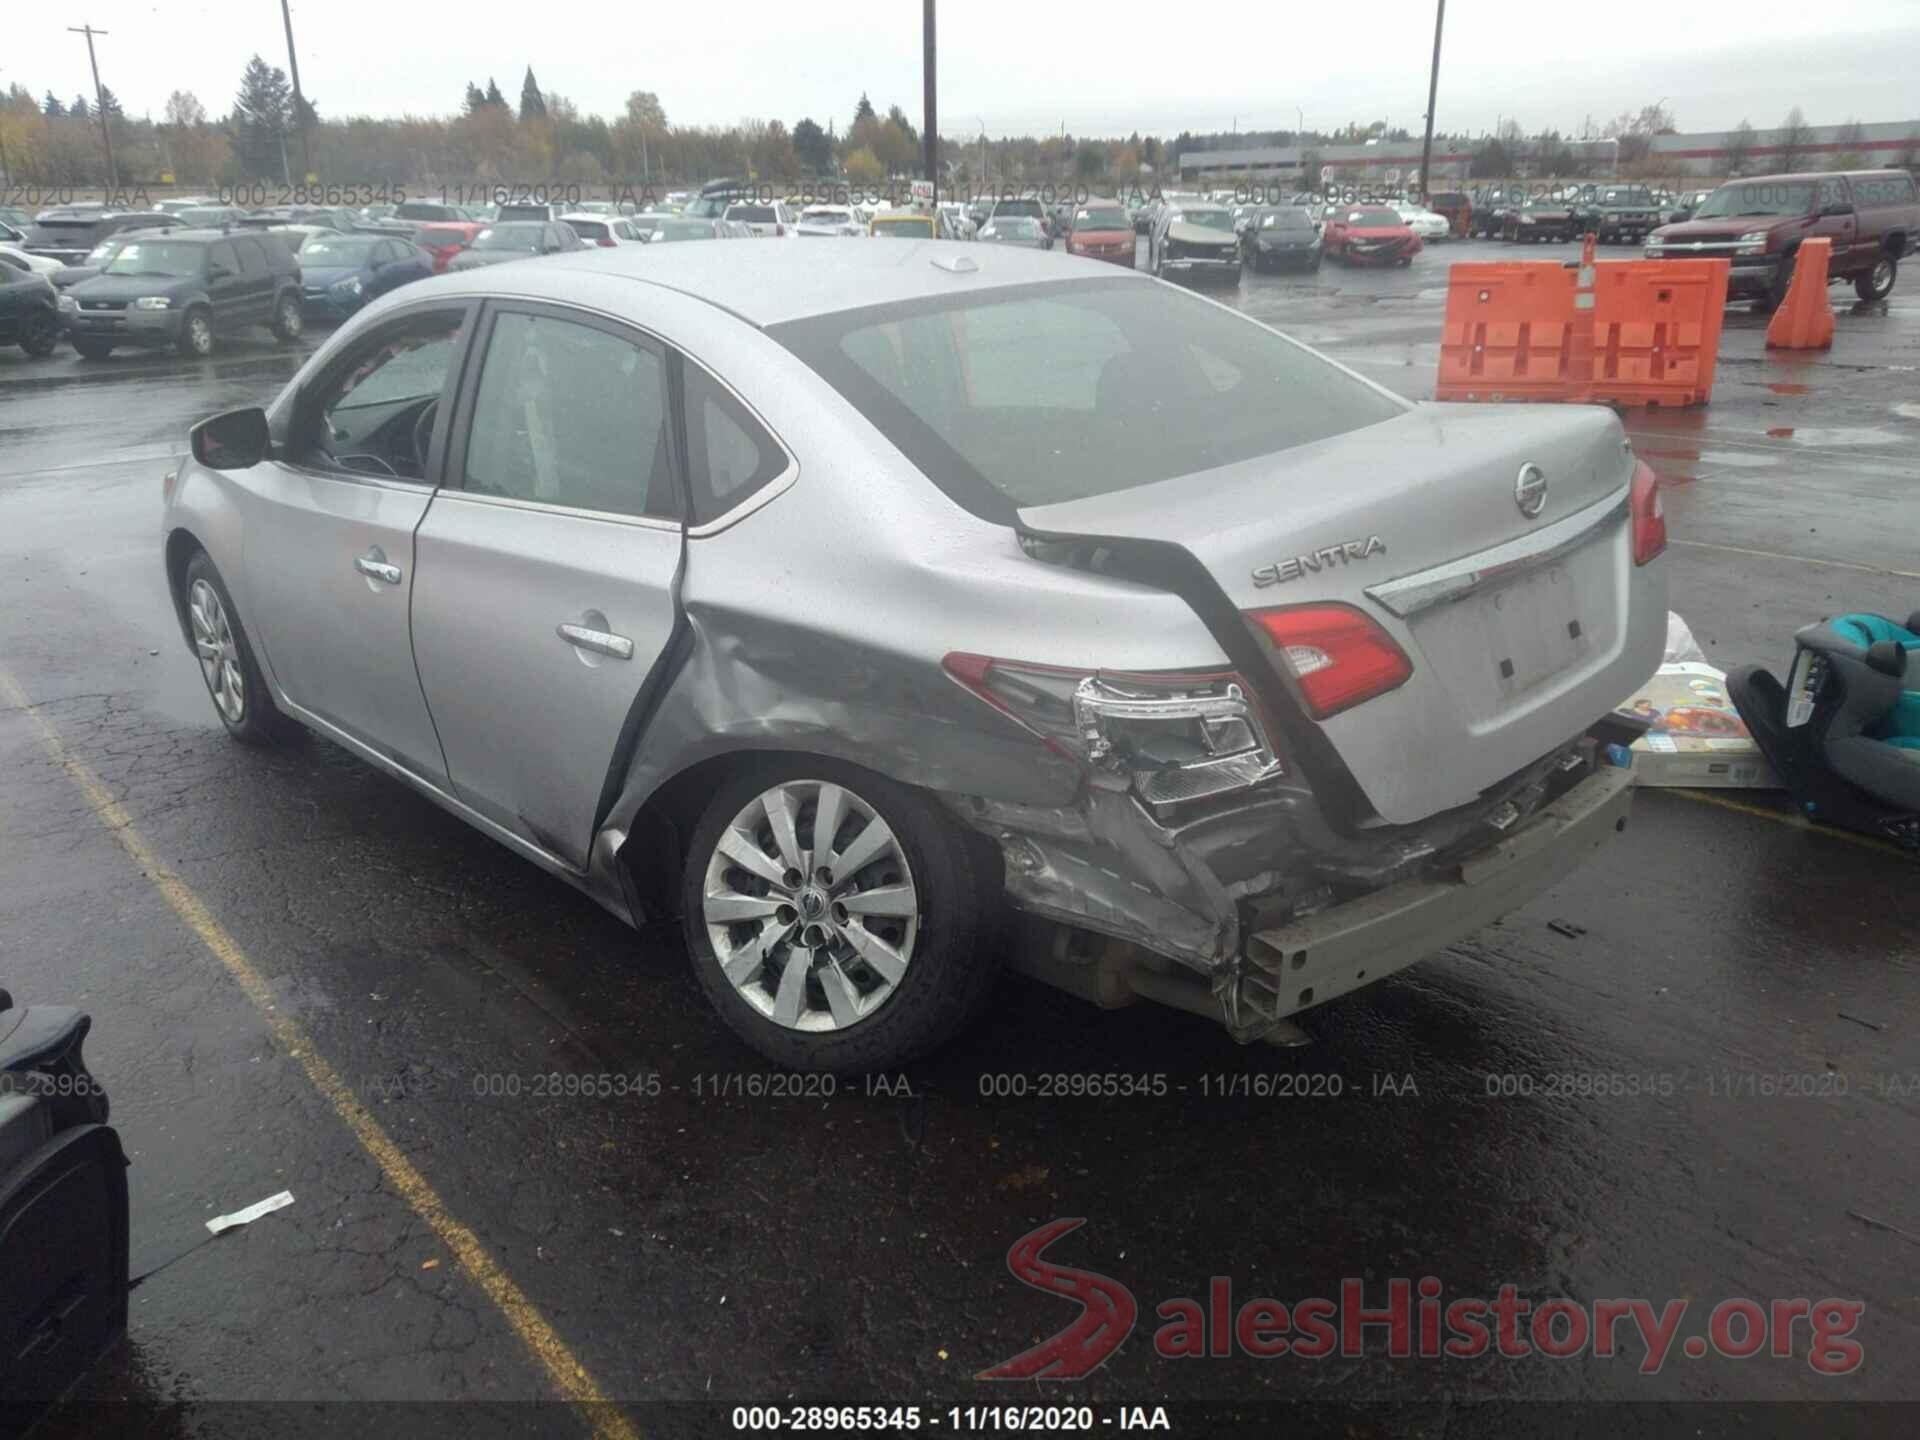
{"points": [[601, 642], [374, 564]]}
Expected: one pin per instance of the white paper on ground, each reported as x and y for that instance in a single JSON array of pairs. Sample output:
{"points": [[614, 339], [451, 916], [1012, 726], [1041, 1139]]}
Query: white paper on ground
{"points": [[251, 1213]]}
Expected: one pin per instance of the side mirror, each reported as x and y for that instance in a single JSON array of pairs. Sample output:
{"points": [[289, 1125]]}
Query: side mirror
{"points": [[219, 272], [233, 441]]}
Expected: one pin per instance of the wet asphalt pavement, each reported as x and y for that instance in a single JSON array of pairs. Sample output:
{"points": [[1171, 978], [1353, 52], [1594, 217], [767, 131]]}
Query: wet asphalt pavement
{"points": [[1740, 987]]}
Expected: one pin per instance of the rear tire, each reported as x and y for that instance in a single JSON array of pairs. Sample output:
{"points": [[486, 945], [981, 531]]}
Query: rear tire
{"points": [[841, 1011], [220, 642], [1877, 283], [287, 319], [40, 334]]}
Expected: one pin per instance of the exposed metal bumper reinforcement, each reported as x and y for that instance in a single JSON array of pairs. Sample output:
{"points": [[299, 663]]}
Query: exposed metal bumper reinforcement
{"points": [[1290, 967]]}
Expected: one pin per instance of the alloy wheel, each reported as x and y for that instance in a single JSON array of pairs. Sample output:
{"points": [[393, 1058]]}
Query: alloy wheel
{"points": [[219, 655], [200, 334], [1882, 275], [810, 906]]}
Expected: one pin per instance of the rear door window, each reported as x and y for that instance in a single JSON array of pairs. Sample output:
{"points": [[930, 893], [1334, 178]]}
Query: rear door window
{"points": [[253, 257]]}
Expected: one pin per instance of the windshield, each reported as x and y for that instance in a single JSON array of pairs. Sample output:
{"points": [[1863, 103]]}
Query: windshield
{"points": [[199, 215], [104, 251], [1374, 220], [1109, 218], [1286, 220], [1758, 197], [336, 250], [1119, 384], [827, 217], [710, 207], [752, 214], [509, 237], [674, 228], [590, 229], [1640, 196], [167, 258], [913, 226], [1207, 217]]}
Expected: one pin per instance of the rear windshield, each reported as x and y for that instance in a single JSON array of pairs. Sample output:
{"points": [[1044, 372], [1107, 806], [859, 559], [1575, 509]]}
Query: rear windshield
{"points": [[1058, 391], [337, 249], [1104, 219], [526, 236], [524, 212], [752, 214], [1374, 219], [439, 235], [677, 229], [589, 229], [911, 225], [1019, 207], [1209, 217], [1286, 220], [422, 210], [73, 234]]}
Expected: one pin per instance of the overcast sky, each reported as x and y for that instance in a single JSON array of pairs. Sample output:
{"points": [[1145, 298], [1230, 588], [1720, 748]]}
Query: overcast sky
{"points": [[1017, 66]]}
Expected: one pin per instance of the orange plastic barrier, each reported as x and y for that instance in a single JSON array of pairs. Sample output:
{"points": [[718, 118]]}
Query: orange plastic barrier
{"points": [[1804, 320], [1509, 334], [1635, 332], [1656, 331]]}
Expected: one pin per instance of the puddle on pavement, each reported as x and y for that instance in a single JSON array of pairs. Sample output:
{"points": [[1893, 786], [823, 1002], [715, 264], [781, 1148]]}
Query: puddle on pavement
{"points": [[1845, 435]]}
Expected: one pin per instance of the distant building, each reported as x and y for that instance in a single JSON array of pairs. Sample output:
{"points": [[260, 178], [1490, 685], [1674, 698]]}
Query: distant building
{"points": [[1879, 146]]}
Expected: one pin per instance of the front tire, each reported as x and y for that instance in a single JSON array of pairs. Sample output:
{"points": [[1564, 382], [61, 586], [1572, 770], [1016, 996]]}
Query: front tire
{"points": [[845, 952], [1877, 283], [196, 332], [227, 664]]}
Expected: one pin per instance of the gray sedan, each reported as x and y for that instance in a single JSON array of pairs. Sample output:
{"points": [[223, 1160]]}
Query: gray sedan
{"points": [[840, 610]]}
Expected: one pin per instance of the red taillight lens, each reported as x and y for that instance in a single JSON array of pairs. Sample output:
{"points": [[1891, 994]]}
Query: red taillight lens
{"points": [[1649, 516], [1339, 654], [606, 241]]}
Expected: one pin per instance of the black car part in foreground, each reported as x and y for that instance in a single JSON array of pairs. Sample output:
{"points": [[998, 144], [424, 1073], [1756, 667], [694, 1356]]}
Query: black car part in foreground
{"points": [[63, 1213]]}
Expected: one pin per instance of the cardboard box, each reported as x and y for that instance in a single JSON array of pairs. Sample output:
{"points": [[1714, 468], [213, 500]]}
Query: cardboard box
{"points": [[1697, 738]]}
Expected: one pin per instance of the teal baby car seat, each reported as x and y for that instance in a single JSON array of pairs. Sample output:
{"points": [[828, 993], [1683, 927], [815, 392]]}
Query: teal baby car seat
{"points": [[1843, 733]]}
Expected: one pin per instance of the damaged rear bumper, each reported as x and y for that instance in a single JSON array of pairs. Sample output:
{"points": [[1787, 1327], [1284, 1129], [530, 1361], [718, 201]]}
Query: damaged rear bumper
{"points": [[1188, 902]]}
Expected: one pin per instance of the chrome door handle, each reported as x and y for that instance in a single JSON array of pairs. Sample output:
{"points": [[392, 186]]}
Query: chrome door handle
{"points": [[378, 569], [601, 642]]}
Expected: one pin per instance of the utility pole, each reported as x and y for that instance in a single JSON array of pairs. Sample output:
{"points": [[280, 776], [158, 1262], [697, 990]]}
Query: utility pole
{"points": [[106, 128], [930, 121], [1433, 91], [299, 103]]}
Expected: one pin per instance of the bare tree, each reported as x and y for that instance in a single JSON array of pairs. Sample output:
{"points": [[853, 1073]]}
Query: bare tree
{"points": [[1739, 147], [1793, 137], [1852, 136]]}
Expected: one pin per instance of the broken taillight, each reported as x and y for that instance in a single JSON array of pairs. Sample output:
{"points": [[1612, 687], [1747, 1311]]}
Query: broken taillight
{"points": [[1338, 654], [1649, 516], [1178, 737]]}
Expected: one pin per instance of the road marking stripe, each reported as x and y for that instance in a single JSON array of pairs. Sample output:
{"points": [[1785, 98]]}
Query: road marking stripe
{"points": [[1792, 821], [1802, 559], [568, 1375]]}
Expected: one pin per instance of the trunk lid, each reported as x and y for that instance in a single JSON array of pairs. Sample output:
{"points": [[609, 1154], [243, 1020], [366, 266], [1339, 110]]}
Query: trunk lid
{"points": [[1520, 628]]}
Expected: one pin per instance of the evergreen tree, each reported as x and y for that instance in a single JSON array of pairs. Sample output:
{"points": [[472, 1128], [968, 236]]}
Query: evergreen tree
{"points": [[110, 103], [813, 147], [494, 97], [53, 108], [262, 113], [864, 110], [532, 103], [80, 110], [476, 97]]}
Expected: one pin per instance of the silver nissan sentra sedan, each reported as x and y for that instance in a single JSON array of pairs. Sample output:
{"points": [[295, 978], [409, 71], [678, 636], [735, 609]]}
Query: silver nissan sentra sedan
{"points": [[890, 612]]}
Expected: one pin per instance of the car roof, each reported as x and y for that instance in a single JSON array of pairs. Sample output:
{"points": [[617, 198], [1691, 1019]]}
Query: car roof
{"points": [[785, 282]]}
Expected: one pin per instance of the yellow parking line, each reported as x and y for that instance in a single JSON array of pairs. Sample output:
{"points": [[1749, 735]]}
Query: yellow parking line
{"points": [[1799, 559], [1792, 821], [569, 1376]]}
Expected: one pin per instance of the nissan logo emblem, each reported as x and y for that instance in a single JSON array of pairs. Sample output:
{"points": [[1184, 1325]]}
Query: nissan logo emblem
{"points": [[1530, 490]]}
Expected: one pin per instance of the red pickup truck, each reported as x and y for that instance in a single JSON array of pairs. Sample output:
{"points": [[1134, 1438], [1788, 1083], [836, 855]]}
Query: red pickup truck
{"points": [[1871, 216]]}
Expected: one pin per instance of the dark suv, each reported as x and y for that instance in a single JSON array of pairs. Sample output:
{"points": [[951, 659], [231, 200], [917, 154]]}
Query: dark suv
{"points": [[1872, 218], [1622, 213], [69, 233], [184, 288]]}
